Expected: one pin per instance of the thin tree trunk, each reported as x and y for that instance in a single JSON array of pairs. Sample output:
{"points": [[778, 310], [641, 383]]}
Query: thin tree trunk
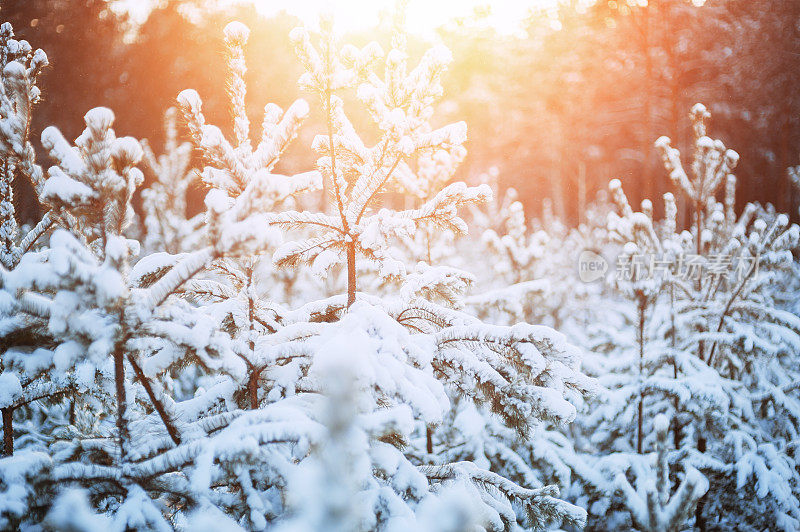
{"points": [[640, 340], [8, 431], [698, 213], [122, 403], [72, 409], [162, 412], [699, 520], [429, 439], [8, 222], [676, 436], [252, 388], [351, 273], [252, 381]]}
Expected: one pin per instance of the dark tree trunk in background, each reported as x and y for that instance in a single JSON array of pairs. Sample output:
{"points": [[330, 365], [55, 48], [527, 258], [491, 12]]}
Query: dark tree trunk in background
{"points": [[8, 431]]}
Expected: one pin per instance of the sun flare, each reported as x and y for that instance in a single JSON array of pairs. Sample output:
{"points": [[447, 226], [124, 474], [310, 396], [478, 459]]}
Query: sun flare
{"points": [[423, 16]]}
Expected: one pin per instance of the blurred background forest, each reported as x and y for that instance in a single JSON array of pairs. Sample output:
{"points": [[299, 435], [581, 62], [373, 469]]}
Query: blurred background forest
{"points": [[556, 111]]}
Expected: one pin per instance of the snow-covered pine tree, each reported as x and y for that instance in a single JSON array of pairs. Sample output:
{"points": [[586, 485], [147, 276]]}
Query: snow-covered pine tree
{"points": [[78, 322], [18, 93], [236, 291], [21, 66], [80, 319], [534, 276], [624, 486], [400, 106], [735, 326], [67, 316], [714, 346], [649, 501], [419, 177], [167, 225], [516, 289], [541, 260]]}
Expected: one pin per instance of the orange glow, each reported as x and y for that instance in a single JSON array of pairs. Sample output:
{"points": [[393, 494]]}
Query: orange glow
{"points": [[560, 95], [423, 17]]}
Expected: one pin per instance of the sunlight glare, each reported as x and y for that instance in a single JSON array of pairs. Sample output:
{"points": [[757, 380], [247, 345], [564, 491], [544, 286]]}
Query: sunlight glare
{"points": [[423, 16]]}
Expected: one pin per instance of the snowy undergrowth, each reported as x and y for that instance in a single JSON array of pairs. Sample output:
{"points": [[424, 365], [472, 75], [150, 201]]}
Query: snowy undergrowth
{"points": [[694, 339], [173, 387]]}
